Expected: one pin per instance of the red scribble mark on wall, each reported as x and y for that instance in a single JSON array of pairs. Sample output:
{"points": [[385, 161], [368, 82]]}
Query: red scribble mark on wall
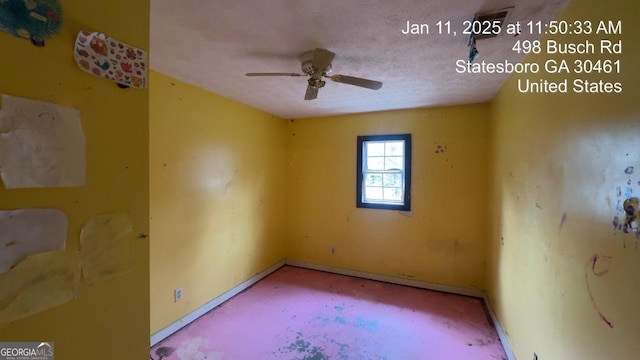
{"points": [[599, 265], [563, 220]]}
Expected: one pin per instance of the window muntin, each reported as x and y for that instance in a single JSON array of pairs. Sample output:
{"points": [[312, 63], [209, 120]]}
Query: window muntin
{"points": [[384, 171]]}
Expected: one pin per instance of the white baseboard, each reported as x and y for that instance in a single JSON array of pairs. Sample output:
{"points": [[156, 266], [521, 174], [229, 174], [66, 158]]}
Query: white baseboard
{"points": [[501, 334], [192, 316], [390, 279]]}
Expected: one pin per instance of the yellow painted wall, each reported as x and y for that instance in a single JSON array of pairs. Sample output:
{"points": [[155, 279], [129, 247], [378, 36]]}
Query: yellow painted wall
{"points": [[217, 195], [109, 320], [442, 242], [563, 156]]}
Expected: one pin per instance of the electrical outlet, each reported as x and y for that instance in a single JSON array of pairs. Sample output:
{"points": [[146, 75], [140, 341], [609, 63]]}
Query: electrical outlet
{"points": [[177, 294], [535, 356]]}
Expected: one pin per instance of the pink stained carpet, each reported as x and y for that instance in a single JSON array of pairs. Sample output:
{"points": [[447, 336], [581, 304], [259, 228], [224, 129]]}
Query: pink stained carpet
{"points": [[300, 314]]}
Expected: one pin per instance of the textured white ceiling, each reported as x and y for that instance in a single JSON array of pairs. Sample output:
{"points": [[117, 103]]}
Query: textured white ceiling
{"points": [[213, 43]]}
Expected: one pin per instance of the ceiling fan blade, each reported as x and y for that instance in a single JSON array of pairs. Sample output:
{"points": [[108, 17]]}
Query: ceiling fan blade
{"points": [[311, 94], [322, 59], [272, 74], [351, 80]]}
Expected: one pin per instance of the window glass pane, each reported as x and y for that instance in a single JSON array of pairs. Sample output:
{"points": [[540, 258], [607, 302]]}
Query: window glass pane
{"points": [[384, 176], [375, 148], [375, 163], [391, 163], [394, 194], [394, 148], [394, 180], [373, 193], [373, 180]]}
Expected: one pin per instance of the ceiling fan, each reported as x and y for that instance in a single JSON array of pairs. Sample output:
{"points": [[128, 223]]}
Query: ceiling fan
{"points": [[317, 64]]}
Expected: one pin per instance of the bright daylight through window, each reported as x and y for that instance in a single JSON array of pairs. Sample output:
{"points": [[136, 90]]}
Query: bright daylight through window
{"points": [[384, 172]]}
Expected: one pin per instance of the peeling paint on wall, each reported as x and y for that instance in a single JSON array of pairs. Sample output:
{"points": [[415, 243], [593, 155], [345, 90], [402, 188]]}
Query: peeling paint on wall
{"points": [[440, 148]]}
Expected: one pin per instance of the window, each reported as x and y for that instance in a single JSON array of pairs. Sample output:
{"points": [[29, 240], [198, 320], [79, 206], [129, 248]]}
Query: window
{"points": [[384, 172]]}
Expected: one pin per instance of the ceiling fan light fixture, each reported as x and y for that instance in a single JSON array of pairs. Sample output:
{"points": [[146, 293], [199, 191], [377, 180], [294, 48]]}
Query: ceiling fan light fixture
{"points": [[316, 83]]}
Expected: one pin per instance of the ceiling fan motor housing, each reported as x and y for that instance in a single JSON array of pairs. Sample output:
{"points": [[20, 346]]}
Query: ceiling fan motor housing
{"points": [[316, 83], [307, 64], [307, 68]]}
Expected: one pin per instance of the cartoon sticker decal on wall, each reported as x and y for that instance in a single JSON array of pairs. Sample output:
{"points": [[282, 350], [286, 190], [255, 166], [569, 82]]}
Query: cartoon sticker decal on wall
{"points": [[627, 206], [31, 19], [632, 210], [105, 57]]}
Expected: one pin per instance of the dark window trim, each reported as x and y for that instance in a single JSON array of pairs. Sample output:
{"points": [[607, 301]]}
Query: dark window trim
{"points": [[407, 172]]}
